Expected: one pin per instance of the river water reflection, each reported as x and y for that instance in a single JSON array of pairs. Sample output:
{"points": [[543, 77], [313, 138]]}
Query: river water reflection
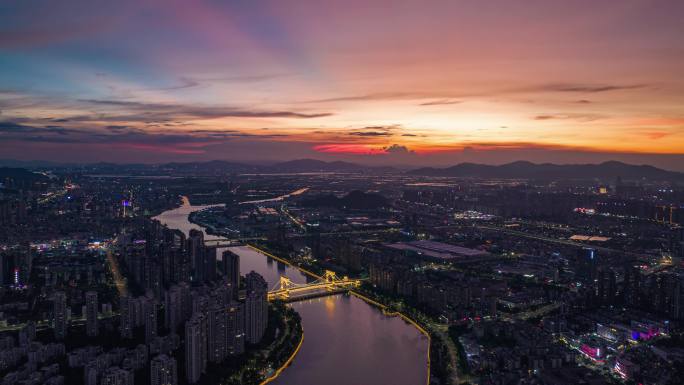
{"points": [[346, 341]]}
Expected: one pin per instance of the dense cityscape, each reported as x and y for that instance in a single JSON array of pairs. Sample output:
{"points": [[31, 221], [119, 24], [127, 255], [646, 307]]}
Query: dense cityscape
{"points": [[139, 274], [384, 192]]}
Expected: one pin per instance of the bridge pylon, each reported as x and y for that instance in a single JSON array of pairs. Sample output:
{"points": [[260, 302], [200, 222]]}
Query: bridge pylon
{"points": [[284, 286], [330, 276], [285, 282]]}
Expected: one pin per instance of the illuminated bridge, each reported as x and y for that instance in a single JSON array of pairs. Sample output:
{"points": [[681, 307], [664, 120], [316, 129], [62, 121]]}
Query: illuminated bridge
{"points": [[230, 242], [329, 284]]}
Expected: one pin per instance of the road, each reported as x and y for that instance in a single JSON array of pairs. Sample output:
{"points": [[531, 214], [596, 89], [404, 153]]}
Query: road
{"points": [[443, 332], [294, 220], [119, 281], [277, 199]]}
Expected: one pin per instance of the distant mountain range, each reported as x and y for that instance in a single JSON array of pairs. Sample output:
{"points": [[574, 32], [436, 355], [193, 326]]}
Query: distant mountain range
{"points": [[293, 166], [313, 165], [214, 167], [515, 170], [528, 170], [29, 163]]}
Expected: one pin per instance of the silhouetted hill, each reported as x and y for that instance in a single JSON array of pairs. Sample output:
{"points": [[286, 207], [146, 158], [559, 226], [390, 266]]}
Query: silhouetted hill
{"points": [[213, 167], [355, 200], [528, 170], [221, 167], [20, 177], [29, 164], [314, 165], [293, 166]]}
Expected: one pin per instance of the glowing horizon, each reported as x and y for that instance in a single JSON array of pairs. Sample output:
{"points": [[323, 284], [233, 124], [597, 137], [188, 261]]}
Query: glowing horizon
{"points": [[173, 80]]}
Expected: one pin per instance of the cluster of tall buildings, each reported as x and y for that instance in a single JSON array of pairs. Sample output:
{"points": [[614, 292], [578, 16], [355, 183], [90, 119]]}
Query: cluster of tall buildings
{"points": [[661, 292], [157, 258], [201, 298], [138, 311], [163, 370], [61, 314], [202, 303], [12, 211], [221, 323], [15, 265]]}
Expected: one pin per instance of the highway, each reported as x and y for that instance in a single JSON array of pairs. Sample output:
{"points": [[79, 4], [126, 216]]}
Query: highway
{"points": [[276, 199]]}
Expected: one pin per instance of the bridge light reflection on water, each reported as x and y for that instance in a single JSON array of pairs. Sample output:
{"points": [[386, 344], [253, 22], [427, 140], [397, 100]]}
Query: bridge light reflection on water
{"points": [[329, 284], [347, 340]]}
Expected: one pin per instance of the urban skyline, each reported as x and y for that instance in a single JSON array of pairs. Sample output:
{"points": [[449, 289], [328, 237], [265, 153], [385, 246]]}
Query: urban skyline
{"points": [[261, 192]]}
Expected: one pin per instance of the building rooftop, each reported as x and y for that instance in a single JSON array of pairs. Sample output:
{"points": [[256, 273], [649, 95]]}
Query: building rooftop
{"points": [[437, 249]]}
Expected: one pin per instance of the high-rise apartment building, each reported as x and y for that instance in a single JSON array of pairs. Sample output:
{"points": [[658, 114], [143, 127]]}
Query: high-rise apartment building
{"points": [[256, 307], [173, 308], [117, 376], [125, 318], [91, 306], [235, 328], [60, 321], [150, 310], [231, 270], [163, 370], [217, 337], [195, 348]]}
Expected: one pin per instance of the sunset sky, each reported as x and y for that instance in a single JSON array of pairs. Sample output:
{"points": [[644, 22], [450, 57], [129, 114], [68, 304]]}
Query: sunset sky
{"points": [[376, 82]]}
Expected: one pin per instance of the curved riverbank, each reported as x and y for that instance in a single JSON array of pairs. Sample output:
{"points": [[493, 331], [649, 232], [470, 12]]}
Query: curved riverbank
{"points": [[285, 261], [348, 340], [384, 308], [406, 318], [282, 338], [287, 363]]}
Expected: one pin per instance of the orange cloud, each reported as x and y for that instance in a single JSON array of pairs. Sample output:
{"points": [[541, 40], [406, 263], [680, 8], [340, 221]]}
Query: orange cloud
{"points": [[360, 149], [657, 135]]}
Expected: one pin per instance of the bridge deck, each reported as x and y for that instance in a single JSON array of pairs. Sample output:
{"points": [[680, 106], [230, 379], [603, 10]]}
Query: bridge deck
{"points": [[310, 295], [315, 289]]}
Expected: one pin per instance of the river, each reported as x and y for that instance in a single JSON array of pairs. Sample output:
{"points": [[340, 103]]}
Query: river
{"points": [[346, 340]]}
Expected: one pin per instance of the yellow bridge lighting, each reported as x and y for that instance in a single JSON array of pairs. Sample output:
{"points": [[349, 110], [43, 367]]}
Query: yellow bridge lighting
{"points": [[329, 284]]}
